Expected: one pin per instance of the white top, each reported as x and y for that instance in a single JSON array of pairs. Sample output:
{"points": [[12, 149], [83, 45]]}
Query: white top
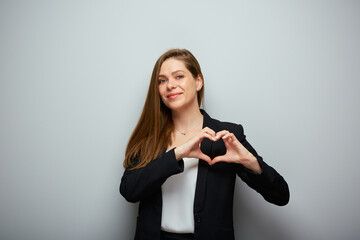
{"points": [[178, 193]]}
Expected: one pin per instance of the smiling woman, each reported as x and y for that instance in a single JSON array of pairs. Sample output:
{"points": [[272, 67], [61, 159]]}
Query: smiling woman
{"points": [[178, 87], [181, 164]]}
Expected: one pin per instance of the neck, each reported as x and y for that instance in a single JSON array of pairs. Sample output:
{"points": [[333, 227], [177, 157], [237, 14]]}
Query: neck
{"points": [[188, 119]]}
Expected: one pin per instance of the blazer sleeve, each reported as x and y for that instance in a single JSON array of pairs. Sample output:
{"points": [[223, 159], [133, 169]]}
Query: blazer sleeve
{"points": [[139, 183], [270, 184]]}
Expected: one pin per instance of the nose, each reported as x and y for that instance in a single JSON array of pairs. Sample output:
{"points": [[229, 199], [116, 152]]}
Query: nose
{"points": [[171, 83]]}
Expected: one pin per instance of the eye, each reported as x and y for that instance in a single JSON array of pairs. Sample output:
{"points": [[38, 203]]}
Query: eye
{"points": [[162, 80], [179, 77]]}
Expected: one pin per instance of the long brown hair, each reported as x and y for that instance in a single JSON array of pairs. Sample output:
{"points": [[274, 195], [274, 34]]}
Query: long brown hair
{"points": [[152, 133]]}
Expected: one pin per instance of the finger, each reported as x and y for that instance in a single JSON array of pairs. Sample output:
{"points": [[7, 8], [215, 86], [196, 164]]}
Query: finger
{"points": [[231, 141], [228, 136], [219, 159], [221, 134], [207, 135], [205, 157], [209, 131]]}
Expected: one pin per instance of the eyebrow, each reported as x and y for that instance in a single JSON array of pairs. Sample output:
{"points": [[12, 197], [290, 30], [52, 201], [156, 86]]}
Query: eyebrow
{"points": [[173, 73]]}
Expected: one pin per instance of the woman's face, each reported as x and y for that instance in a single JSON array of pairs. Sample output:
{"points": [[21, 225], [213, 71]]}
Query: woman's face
{"points": [[177, 86]]}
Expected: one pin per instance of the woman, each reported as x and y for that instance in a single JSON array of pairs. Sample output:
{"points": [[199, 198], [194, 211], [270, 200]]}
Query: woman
{"points": [[181, 164]]}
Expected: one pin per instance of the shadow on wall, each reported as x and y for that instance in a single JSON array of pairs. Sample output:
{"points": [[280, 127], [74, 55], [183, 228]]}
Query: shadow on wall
{"points": [[127, 219]]}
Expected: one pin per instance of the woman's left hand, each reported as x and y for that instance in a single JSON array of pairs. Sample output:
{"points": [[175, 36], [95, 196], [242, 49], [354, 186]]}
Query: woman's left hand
{"points": [[236, 152]]}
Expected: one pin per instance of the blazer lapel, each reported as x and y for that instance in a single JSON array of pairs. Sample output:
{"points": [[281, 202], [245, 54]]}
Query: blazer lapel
{"points": [[206, 148]]}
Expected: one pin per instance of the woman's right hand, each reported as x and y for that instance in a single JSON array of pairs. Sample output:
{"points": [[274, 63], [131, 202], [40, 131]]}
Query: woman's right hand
{"points": [[191, 148]]}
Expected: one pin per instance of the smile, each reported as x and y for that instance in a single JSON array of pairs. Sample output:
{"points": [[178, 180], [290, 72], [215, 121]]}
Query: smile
{"points": [[173, 95]]}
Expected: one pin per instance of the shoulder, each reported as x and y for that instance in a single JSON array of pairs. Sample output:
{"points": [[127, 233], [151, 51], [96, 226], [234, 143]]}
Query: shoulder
{"points": [[230, 126], [218, 125]]}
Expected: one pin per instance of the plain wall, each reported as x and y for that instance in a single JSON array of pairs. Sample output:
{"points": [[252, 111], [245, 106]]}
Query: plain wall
{"points": [[74, 76]]}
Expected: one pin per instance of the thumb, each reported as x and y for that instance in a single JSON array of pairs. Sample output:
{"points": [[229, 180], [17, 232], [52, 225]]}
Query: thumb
{"points": [[219, 159], [205, 157]]}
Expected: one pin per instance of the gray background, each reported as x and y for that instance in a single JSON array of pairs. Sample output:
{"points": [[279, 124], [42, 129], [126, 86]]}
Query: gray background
{"points": [[74, 75]]}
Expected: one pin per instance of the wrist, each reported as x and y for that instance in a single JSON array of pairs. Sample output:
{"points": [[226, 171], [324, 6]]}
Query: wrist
{"points": [[254, 165], [178, 153]]}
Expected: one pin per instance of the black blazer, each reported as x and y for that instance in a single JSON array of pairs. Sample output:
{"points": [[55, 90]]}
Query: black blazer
{"points": [[213, 204]]}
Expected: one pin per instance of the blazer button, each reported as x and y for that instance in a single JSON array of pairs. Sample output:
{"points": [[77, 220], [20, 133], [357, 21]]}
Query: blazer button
{"points": [[198, 220]]}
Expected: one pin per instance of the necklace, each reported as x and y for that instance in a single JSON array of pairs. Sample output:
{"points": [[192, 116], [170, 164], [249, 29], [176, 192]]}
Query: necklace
{"points": [[184, 133]]}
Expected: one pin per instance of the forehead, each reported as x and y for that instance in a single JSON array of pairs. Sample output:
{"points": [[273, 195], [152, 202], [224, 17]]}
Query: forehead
{"points": [[172, 64]]}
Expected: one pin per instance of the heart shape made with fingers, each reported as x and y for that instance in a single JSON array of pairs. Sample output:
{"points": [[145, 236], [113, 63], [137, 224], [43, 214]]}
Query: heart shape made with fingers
{"points": [[235, 151]]}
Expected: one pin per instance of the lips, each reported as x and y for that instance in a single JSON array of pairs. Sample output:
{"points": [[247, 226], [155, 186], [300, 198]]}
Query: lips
{"points": [[173, 95]]}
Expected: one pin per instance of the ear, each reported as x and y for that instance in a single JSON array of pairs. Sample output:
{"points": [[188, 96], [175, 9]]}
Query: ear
{"points": [[199, 82]]}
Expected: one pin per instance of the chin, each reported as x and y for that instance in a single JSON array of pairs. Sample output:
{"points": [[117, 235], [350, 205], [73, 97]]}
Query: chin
{"points": [[172, 105], [177, 107], [174, 108]]}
